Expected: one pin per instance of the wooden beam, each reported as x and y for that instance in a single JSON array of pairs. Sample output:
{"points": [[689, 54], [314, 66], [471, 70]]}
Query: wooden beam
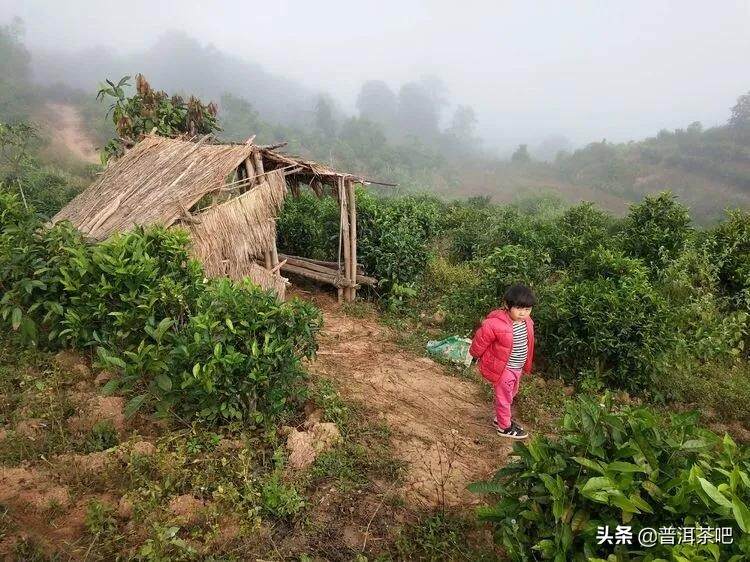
{"points": [[331, 264]]}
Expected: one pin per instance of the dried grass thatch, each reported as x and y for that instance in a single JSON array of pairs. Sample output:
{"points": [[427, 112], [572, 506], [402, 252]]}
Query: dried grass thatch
{"points": [[258, 275], [153, 183], [239, 230]]}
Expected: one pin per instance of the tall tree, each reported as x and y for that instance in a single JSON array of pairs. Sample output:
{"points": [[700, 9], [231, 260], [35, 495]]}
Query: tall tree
{"points": [[463, 125], [16, 94], [740, 118], [377, 102], [324, 121], [418, 114], [521, 155]]}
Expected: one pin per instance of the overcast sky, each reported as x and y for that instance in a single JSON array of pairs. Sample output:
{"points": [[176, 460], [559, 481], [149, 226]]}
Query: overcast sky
{"points": [[588, 70]]}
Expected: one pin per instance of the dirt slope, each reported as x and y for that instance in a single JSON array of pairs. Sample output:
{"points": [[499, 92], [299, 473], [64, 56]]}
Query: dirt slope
{"points": [[68, 133], [441, 424]]}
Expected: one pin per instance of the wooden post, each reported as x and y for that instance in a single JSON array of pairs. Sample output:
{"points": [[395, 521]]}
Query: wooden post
{"points": [[275, 256], [345, 234], [350, 195], [249, 173], [258, 163]]}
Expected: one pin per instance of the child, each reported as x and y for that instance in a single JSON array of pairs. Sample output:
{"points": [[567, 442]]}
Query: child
{"points": [[504, 348]]}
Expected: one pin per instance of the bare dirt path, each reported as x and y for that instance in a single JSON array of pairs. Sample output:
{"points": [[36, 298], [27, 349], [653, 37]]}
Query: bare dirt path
{"points": [[441, 424], [68, 133]]}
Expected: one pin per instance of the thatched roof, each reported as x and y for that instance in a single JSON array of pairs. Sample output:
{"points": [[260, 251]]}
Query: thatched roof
{"points": [[153, 183], [227, 236]]}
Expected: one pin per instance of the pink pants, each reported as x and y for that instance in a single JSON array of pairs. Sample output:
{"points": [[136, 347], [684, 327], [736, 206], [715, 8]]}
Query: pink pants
{"points": [[505, 391]]}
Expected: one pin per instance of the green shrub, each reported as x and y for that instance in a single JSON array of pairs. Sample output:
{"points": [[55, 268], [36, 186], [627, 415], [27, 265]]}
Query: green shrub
{"points": [[575, 232], [214, 349], [507, 265], [619, 467], [605, 321], [729, 246], [656, 230], [309, 226], [392, 234]]}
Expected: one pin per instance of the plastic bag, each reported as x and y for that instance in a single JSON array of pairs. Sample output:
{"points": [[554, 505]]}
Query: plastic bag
{"points": [[454, 349]]}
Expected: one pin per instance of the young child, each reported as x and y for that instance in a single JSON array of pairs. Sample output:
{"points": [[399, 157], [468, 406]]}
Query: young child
{"points": [[504, 348]]}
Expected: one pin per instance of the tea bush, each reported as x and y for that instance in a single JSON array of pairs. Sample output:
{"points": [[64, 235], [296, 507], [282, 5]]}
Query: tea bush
{"points": [[473, 299], [729, 247], [620, 466], [393, 234], [214, 349], [607, 322], [657, 229]]}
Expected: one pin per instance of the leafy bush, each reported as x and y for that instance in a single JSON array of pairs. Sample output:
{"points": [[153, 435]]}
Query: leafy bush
{"points": [[393, 234], [309, 226], [214, 350], [605, 320], [620, 466], [656, 229], [495, 273], [729, 245]]}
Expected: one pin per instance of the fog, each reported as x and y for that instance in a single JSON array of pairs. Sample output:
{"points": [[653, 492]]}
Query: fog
{"points": [[583, 70]]}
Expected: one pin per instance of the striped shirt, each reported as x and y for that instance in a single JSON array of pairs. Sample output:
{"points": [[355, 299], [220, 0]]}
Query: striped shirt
{"points": [[520, 350]]}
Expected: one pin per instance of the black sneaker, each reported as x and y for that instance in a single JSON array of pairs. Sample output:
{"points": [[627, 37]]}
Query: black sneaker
{"points": [[512, 423], [515, 431]]}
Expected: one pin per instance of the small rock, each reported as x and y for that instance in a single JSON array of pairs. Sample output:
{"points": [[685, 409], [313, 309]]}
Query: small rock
{"points": [[301, 452], [305, 446], [325, 436], [125, 508]]}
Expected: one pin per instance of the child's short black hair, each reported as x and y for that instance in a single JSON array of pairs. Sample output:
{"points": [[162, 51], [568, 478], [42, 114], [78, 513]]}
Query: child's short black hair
{"points": [[519, 296]]}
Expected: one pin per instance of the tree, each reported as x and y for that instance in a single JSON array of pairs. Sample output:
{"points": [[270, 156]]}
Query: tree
{"points": [[238, 117], [740, 118], [377, 103], [16, 93], [521, 155], [151, 109], [324, 121], [463, 125], [418, 114]]}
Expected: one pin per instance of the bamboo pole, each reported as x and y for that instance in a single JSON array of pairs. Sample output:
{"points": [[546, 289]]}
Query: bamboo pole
{"points": [[345, 234], [250, 173], [350, 195], [275, 256], [330, 264]]}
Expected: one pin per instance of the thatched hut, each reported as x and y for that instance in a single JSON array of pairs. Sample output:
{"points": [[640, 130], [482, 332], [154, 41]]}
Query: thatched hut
{"points": [[228, 197]]}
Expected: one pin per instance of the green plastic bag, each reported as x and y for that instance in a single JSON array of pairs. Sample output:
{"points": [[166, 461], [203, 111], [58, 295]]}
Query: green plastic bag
{"points": [[454, 349]]}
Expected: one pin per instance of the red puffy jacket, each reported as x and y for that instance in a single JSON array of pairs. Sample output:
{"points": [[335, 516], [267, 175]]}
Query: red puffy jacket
{"points": [[493, 343]]}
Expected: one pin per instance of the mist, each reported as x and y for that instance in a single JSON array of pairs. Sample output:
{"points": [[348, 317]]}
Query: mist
{"points": [[583, 72]]}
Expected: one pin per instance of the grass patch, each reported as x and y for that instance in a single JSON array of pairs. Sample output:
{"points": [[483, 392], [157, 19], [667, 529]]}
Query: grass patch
{"points": [[444, 536]]}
